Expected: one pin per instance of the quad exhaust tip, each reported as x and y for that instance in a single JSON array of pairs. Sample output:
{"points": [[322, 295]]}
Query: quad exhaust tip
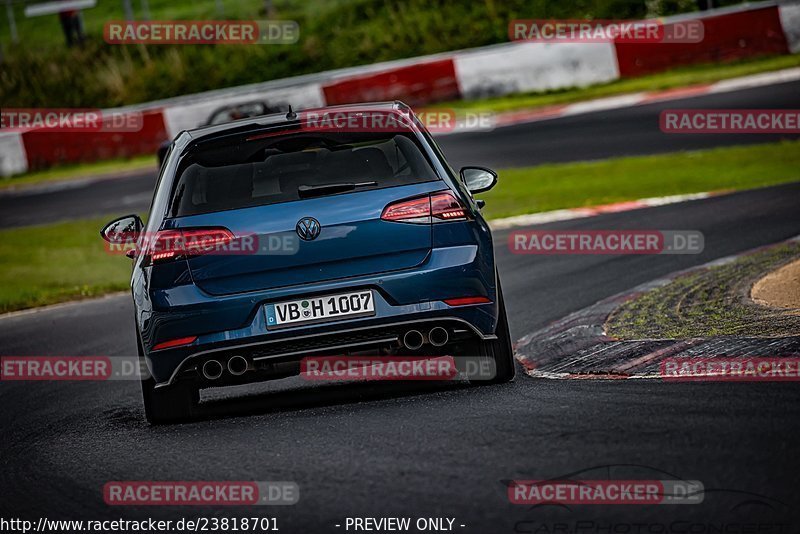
{"points": [[413, 339], [438, 336], [237, 365], [212, 369]]}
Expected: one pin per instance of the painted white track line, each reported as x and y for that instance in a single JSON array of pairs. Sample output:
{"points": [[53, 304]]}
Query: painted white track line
{"points": [[512, 118], [580, 213]]}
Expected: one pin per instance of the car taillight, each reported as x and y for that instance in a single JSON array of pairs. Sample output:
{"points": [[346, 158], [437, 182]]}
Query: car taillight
{"points": [[446, 207], [180, 342], [437, 207], [417, 210], [466, 301], [172, 244]]}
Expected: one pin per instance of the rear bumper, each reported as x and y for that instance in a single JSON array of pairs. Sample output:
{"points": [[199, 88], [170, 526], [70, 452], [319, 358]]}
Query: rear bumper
{"points": [[267, 353], [238, 322]]}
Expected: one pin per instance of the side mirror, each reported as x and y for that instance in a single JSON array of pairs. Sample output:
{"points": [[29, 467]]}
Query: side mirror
{"points": [[123, 230], [478, 179]]}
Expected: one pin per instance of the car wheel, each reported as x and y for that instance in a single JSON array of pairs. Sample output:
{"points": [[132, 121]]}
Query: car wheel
{"points": [[172, 404], [499, 350]]}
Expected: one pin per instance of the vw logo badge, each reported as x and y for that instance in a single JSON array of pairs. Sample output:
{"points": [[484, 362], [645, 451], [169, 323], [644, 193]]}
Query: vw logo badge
{"points": [[308, 228]]}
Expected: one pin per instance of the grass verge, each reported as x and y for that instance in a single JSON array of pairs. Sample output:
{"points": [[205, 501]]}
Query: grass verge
{"points": [[711, 302], [54, 263], [550, 187], [82, 170], [683, 77], [47, 264]]}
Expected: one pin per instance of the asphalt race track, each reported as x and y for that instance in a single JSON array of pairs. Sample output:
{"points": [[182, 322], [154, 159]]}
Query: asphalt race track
{"points": [[424, 450], [427, 451], [599, 135]]}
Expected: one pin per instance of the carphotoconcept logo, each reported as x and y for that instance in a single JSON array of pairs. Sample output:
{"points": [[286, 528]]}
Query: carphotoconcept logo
{"points": [[552, 242], [729, 121], [194, 32]]}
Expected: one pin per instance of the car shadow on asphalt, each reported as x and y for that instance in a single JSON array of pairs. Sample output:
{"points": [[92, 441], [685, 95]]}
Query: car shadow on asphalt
{"points": [[318, 396]]}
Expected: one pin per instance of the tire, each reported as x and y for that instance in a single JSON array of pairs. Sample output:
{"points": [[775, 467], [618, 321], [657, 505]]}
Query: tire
{"points": [[499, 350], [173, 404]]}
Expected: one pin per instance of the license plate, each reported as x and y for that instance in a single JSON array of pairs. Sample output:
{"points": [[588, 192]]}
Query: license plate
{"points": [[320, 309]]}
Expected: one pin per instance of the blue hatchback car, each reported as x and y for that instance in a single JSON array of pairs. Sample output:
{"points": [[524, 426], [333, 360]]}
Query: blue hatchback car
{"points": [[338, 231]]}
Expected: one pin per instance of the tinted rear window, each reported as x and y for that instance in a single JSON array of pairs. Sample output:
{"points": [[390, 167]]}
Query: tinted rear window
{"points": [[268, 171]]}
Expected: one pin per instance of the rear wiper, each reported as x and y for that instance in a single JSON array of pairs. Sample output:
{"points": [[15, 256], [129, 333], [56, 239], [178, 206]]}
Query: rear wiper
{"points": [[306, 191]]}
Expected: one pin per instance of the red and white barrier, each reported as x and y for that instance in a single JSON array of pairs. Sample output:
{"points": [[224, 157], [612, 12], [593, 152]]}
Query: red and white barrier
{"points": [[527, 67], [47, 148], [730, 33], [727, 36], [790, 23], [13, 159], [418, 84]]}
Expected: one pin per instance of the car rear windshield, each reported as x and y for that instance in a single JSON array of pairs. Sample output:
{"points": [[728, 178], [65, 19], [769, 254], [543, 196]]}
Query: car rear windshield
{"points": [[229, 175]]}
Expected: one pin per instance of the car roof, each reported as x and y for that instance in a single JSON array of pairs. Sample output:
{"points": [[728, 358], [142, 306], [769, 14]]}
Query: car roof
{"points": [[276, 119]]}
